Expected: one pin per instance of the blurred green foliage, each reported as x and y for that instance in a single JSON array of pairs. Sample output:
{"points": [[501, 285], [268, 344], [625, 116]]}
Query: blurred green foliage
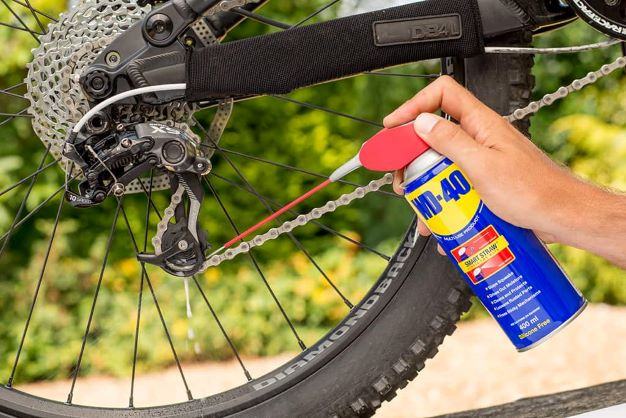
{"points": [[585, 131]]}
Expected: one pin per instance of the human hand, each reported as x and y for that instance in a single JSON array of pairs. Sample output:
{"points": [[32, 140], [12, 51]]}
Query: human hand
{"points": [[515, 179]]}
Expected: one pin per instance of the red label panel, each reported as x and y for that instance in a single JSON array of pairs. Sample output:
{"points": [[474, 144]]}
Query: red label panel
{"points": [[476, 244], [504, 258]]}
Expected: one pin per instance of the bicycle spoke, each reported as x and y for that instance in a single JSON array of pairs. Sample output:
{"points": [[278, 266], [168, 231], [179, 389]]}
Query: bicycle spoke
{"points": [[8, 91], [25, 179], [35, 15], [9, 233], [300, 170], [38, 208], [150, 201], [293, 238], [158, 308], [39, 12], [301, 247], [14, 27], [16, 115], [322, 272], [325, 109], [15, 86], [314, 222], [223, 330], [261, 19], [258, 269], [317, 12], [36, 294], [131, 402], [70, 396], [19, 19], [21, 113]]}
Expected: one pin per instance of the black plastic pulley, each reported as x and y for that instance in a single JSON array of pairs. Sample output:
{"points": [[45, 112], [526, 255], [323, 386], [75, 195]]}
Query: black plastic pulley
{"points": [[608, 16]]}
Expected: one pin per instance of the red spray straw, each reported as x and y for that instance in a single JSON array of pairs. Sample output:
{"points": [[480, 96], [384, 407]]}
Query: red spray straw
{"points": [[388, 150]]}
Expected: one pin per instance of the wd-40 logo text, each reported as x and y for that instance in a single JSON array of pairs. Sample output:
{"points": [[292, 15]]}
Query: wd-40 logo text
{"points": [[447, 202], [452, 189]]}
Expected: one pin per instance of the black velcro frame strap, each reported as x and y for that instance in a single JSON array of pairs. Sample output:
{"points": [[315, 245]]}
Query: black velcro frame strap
{"points": [[282, 62]]}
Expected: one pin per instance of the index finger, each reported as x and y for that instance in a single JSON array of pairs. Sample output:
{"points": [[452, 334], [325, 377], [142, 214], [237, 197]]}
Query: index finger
{"points": [[448, 95]]}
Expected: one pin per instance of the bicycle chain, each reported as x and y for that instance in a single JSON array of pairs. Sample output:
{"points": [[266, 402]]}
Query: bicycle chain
{"points": [[168, 215], [301, 220], [565, 91]]}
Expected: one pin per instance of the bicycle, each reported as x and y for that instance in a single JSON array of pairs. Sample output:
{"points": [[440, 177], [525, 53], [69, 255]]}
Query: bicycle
{"points": [[113, 89]]}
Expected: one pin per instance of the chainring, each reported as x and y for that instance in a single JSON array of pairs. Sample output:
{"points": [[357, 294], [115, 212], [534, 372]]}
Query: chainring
{"points": [[607, 16], [71, 44]]}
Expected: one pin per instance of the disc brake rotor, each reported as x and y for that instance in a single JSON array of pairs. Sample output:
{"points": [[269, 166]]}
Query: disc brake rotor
{"points": [[57, 101]]}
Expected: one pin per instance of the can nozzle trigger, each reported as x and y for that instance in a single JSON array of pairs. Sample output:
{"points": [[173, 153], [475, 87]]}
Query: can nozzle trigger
{"points": [[389, 150]]}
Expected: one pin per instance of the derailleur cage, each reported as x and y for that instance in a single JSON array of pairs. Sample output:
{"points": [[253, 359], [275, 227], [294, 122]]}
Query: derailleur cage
{"points": [[181, 245], [109, 161]]}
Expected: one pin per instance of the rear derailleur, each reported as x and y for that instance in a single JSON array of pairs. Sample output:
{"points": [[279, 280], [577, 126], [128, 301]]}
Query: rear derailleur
{"points": [[110, 162]]}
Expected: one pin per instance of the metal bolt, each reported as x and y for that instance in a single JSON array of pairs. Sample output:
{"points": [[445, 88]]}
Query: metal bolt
{"points": [[189, 41], [97, 83], [183, 245], [99, 196], [120, 127], [118, 189], [113, 58], [126, 143], [204, 167]]}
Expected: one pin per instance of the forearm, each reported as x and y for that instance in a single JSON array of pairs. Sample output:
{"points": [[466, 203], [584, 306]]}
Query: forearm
{"points": [[595, 221]]}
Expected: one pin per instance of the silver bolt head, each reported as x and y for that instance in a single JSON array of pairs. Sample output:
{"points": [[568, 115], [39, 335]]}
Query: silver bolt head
{"points": [[183, 245], [113, 59], [127, 143], [118, 189]]}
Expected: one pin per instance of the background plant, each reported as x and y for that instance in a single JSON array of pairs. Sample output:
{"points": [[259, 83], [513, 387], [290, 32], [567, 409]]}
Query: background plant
{"points": [[586, 132]]}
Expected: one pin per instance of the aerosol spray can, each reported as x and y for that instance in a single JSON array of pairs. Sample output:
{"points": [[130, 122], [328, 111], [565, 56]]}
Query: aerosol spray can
{"points": [[509, 269]]}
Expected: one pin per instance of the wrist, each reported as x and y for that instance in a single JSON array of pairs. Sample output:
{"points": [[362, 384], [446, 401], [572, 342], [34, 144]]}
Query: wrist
{"points": [[592, 219]]}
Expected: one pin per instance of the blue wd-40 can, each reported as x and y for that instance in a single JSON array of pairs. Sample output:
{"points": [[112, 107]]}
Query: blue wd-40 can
{"points": [[509, 269]]}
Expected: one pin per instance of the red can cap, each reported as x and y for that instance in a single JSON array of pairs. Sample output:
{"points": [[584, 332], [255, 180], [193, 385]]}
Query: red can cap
{"points": [[392, 149]]}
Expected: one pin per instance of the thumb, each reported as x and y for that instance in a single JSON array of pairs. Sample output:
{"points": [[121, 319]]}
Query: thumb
{"points": [[446, 137]]}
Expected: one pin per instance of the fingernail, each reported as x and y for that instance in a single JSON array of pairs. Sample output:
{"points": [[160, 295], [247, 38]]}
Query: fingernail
{"points": [[425, 123], [387, 120]]}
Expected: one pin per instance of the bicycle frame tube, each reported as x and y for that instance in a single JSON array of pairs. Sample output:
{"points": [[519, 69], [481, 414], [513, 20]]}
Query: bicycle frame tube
{"points": [[326, 51]]}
